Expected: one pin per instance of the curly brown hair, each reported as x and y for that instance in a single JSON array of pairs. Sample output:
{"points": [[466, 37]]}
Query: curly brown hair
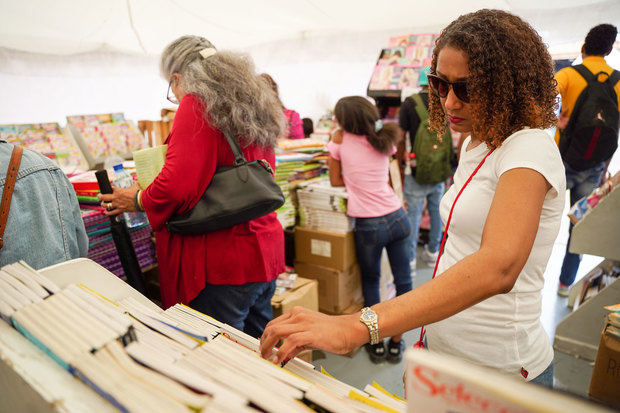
{"points": [[510, 82]]}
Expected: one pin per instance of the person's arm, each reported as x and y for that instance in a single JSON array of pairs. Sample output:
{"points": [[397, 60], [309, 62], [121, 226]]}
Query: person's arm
{"points": [[333, 162], [191, 160], [507, 240], [190, 163], [335, 172], [80, 229]]}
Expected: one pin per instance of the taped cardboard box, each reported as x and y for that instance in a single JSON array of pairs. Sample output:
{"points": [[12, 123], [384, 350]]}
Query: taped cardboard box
{"points": [[337, 289], [327, 249], [304, 293], [605, 382]]}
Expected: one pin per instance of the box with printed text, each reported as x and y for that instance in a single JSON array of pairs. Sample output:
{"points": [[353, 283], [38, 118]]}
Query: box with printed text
{"points": [[329, 250]]}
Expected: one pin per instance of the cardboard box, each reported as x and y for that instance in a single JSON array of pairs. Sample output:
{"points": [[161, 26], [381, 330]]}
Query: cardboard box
{"points": [[605, 382], [304, 293], [337, 289], [326, 249]]}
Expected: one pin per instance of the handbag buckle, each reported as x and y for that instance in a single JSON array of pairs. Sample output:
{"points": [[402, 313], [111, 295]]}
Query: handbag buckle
{"points": [[266, 165]]}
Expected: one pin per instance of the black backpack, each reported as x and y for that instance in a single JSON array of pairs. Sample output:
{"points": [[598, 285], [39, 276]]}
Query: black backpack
{"points": [[591, 135]]}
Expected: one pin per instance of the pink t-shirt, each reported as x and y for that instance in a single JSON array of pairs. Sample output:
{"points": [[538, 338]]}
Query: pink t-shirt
{"points": [[365, 174]]}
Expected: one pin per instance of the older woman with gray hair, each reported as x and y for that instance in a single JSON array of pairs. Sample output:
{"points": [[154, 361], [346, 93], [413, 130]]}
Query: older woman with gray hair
{"points": [[228, 274]]}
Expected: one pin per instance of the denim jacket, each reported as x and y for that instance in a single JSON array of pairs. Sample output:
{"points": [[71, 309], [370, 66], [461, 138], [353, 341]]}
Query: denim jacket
{"points": [[45, 226]]}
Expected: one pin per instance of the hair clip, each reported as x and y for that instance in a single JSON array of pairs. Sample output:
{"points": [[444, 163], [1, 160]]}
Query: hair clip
{"points": [[378, 125], [208, 52]]}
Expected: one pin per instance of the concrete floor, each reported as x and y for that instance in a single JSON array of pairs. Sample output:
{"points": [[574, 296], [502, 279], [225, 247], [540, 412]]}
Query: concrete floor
{"points": [[571, 374]]}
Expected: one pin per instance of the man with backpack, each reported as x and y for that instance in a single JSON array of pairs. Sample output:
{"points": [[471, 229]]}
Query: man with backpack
{"points": [[588, 125], [429, 161]]}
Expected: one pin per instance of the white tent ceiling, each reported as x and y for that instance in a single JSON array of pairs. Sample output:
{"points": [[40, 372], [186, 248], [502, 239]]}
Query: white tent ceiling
{"points": [[146, 26], [63, 57]]}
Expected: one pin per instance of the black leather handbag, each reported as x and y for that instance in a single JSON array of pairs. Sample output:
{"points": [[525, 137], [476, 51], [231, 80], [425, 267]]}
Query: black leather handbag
{"points": [[238, 193]]}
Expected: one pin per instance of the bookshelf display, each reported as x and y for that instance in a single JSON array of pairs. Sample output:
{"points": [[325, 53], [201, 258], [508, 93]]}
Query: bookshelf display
{"points": [[104, 135], [398, 66], [48, 139]]}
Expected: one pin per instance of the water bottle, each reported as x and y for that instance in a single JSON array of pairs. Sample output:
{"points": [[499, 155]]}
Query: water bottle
{"points": [[123, 179]]}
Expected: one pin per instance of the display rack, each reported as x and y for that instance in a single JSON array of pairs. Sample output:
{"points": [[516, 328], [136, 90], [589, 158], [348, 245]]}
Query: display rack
{"points": [[48, 139], [104, 135], [598, 233], [579, 333], [398, 65]]}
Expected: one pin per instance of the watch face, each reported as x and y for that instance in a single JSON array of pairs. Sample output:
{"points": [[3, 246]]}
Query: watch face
{"points": [[368, 316]]}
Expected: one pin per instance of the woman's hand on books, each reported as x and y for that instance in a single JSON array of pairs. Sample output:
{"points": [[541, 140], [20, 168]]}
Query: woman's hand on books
{"points": [[120, 200], [302, 329]]}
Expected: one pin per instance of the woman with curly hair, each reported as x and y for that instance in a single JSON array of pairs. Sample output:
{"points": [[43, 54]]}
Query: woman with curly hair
{"points": [[491, 75], [228, 274]]}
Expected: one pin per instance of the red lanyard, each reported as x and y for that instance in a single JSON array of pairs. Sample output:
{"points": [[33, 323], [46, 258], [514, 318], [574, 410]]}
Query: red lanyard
{"points": [[420, 343]]}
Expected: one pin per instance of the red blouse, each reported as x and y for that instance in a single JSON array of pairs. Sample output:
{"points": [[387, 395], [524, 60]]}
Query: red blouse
{"points": [[248, 252]]}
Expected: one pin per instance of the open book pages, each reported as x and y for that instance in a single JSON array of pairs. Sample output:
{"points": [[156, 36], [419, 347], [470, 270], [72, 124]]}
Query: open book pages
{"points": [[149, 162], [141, 359]]}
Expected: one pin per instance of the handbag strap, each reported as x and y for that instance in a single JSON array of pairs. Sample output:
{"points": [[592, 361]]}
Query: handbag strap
{"points": [[420, 343], [236, 149], [7, 193]]}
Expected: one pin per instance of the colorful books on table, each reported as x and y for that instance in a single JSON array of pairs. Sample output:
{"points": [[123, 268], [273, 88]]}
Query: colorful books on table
{"points": [[105, 135], [46, 138]]}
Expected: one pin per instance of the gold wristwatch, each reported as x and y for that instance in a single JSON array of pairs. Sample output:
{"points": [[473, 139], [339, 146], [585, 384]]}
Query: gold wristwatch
{"points": [[369, 318]]}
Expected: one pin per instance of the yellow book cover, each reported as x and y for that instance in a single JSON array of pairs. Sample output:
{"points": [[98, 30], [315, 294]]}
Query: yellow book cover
{"points": [[149, 162]]}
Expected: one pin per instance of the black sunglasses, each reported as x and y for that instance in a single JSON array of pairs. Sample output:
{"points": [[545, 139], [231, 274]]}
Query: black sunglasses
{"points": [[441, 87]]}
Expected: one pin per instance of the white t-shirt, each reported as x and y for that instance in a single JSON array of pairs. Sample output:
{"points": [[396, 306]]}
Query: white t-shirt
{"points": [[503, 331]]}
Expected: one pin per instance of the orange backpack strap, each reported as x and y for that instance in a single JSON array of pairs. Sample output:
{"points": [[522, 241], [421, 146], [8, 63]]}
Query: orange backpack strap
{"points": [[7, 193]]}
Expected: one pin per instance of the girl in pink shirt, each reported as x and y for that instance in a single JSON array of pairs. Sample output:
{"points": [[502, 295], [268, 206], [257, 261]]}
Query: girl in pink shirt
{"points": [[359, 159]]}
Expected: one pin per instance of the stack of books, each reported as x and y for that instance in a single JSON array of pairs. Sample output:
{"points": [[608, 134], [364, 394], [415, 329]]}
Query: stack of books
{"points": [[101, 248], [143, 359], [323, 207], [294, 168]]}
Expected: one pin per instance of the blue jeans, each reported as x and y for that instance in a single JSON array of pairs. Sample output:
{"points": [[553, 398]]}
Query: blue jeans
{"points": [[580, 184], [391, 232], [246, 307], [545, 378], [414, 195]]}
